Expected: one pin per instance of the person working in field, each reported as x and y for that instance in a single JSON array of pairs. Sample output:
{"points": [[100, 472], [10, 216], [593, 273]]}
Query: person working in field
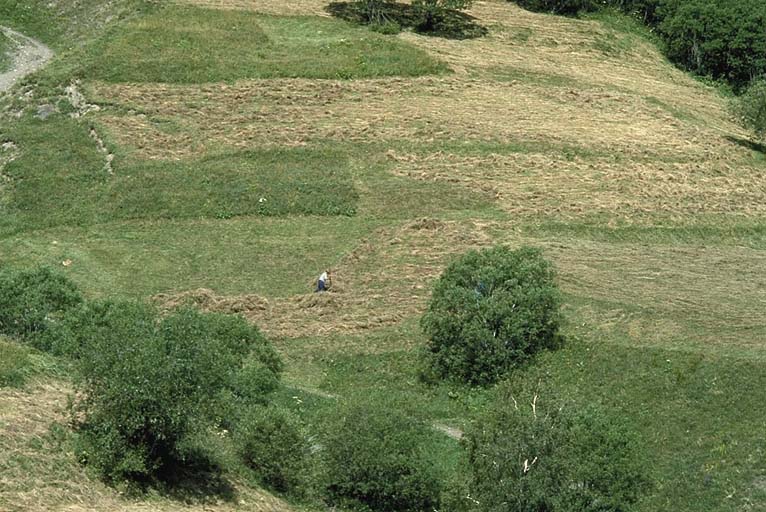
{"points": [[323, 283]]}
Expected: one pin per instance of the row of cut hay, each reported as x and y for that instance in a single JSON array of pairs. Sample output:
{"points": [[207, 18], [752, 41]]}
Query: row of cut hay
{"points": [[290, 112], [691, 291]]}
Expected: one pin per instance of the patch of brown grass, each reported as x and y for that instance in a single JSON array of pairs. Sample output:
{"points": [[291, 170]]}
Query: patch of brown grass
{"points": [[294, 112], [275, 7], [377, 285], [541, 184], [665, 134], [566, 49]]}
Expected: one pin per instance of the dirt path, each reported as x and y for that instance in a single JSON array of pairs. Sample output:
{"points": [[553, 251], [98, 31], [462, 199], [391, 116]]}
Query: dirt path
{"points": [[29, 56]]}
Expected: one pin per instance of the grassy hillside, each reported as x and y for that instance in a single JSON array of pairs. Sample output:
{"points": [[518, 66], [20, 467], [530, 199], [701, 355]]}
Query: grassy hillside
{"points": [[6, 46], [225, 152]]}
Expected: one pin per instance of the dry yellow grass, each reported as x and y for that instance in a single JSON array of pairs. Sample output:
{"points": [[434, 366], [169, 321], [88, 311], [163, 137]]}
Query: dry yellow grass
{"points": [[542, 184], [275, 7], [666, 137], [299, 112], [658, 164]]}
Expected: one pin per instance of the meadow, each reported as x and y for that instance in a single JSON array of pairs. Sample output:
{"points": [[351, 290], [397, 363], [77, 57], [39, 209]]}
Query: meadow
{"points": [[6, 45], [223, 153]]}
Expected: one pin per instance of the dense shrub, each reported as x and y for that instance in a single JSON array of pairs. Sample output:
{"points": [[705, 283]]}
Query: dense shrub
{"points": [[87, 322], [150, 385], [375, 460], [490, 311], [723, 39], [431, 13], [552, 458], [270, 441], [31, 300], [751, 108], [441, 18], [564, 7]]}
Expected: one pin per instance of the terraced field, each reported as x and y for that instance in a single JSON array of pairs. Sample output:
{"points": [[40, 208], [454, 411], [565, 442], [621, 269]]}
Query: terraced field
{"points": [[248, 159]]}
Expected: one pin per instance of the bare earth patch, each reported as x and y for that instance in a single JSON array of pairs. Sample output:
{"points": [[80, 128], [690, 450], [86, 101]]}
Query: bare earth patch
{"points": [[28, 56]]}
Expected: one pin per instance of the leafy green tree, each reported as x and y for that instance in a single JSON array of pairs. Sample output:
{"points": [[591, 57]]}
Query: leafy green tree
{"points": [[431, 12], [530, 457], [152, 386], [375, 460], [751, 108], [490, 311]]}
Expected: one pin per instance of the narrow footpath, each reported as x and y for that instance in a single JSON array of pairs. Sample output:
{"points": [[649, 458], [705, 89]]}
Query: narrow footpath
{"points": [[28, 56]]}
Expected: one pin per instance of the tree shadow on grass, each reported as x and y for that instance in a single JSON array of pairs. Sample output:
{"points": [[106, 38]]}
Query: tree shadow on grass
{"points": [[195, 481], [749, 144], [452, 25]]}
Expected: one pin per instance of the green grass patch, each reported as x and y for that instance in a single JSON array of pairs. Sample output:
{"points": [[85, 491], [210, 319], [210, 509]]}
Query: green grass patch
{"points": [[18, 364], [6, 46], [63, 24], [192, 45], [60, 178], [271, 257], [706, 231], [32, 17], [272, 183], [14, 364]]}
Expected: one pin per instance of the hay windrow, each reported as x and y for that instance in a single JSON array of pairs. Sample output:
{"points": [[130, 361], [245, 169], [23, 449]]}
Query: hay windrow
{"points": [[274, 7], [534, 184], [388, 277], [296, 112]]}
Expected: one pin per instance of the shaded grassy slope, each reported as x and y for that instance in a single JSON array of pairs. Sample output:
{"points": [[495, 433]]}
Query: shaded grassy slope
{"points": [[6, 46], [569, 134]]}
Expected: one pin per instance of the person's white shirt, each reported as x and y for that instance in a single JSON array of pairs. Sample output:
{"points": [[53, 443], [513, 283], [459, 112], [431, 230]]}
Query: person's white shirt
{"points": [[323, 277]]}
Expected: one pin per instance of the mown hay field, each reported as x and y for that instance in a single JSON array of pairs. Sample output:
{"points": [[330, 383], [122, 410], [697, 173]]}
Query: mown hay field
{"points": [[568, 134]]}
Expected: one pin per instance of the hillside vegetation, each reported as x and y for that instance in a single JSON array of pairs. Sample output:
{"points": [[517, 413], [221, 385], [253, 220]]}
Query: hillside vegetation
{"points": [[222, 153]]}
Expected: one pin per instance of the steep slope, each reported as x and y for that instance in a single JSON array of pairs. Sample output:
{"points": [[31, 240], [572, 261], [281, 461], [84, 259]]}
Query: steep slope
{"points": [[297, 143]]}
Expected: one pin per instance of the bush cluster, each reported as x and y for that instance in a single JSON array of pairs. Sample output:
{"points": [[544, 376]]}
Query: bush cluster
{"points": [[271, 442], [751, 108], [442, 18], [152, 388], [490, 311], [151, 385], [558, 458], [563, 7], [33, 300], [375, 460]]}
